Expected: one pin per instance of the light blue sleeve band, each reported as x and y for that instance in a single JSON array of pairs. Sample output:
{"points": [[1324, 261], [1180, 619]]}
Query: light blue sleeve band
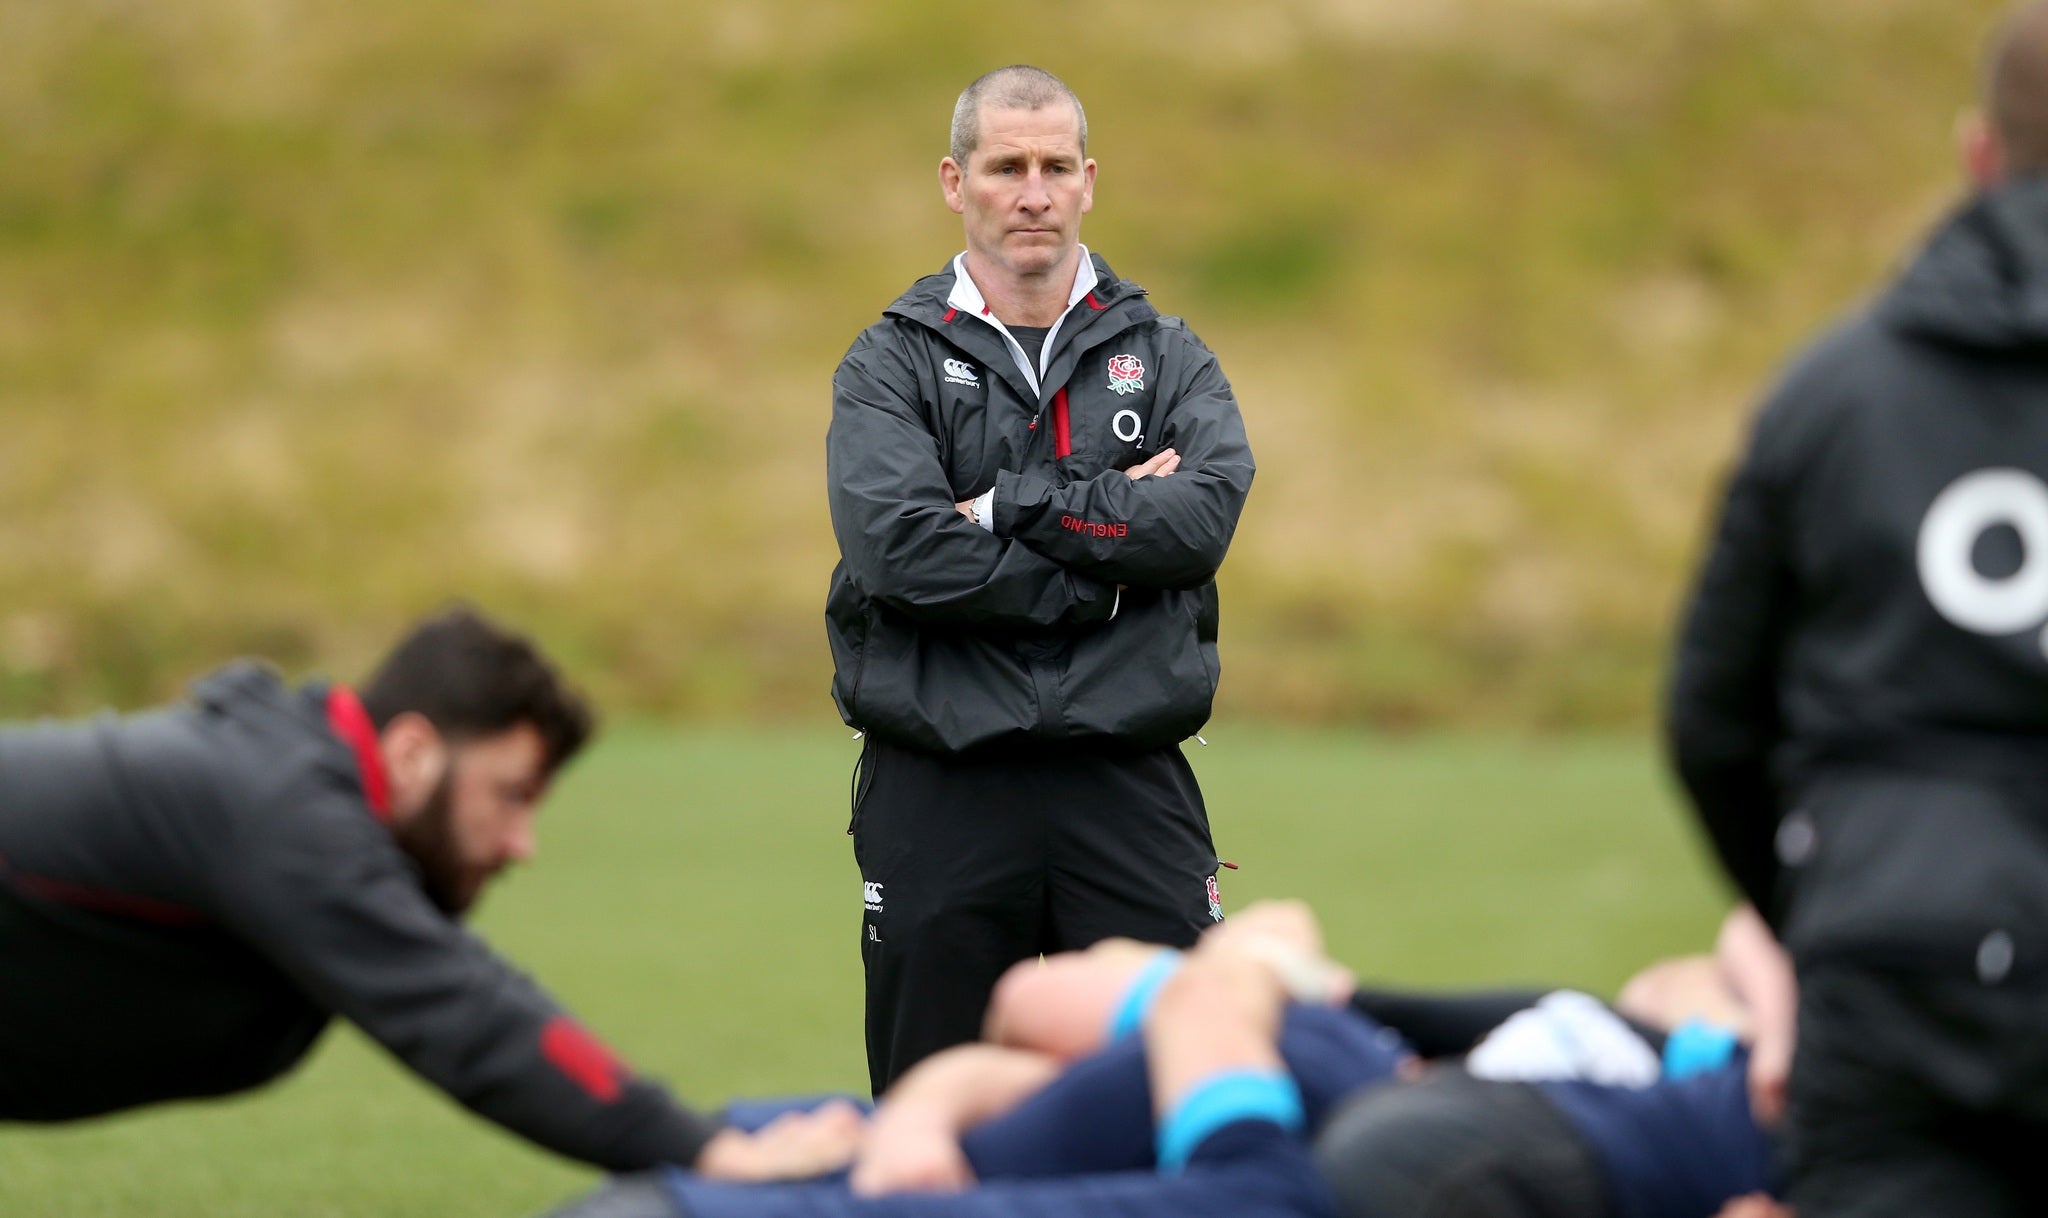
{"points": [[1224, 1099], [1137, 1003], [1695, 1047]]}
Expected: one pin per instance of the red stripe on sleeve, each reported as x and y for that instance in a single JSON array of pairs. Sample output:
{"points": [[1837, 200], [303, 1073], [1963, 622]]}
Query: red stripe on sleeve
{"points": [[102, 900], [584, 1059]]}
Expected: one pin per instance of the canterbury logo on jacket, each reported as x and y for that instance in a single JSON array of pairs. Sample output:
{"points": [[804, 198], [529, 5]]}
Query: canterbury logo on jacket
{"points": [[946, 635]]}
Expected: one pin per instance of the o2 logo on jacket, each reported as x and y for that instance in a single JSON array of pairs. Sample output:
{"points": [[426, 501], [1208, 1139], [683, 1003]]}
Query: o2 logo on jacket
{"points": [[1126, 374], [1959, 517]]}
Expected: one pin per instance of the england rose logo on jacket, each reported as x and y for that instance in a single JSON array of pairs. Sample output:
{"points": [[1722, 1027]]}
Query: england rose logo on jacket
{"points": [[1126, 374]]}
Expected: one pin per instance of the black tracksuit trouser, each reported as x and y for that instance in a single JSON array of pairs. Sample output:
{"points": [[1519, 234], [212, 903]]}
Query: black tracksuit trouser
{"points": [[971, 864]]}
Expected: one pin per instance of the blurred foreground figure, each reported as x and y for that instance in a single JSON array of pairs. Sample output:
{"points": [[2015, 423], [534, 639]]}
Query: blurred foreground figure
{"points": [[1860, 705], [1564, 1108], [188, 896], [1034, 477], [1208, 1107]]}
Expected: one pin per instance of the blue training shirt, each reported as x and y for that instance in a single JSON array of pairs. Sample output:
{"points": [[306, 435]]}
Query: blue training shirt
{"points": [[1679, 1148], [1097, 1116]]}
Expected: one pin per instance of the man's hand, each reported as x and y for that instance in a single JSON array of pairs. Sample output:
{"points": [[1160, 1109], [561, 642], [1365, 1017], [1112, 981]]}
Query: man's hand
{"points": [[1770, 1069], [909, 1150], [1291, 922], [913, 1143], [1158, 467], [1285, 935], [1760, 973], [1755, 1205], [794, 1146]]}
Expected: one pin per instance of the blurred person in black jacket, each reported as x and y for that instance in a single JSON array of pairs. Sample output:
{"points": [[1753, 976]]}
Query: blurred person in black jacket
{"points": [[1860, 705], [189, 896]]}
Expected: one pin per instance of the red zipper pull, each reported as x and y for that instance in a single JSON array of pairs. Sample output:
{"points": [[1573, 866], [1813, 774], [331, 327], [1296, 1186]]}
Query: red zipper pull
{"points": [[1034, 423], [1227, 863]]}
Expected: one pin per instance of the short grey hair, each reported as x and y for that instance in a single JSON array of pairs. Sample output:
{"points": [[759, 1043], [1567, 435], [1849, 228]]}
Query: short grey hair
{"points": [[1017, 87]]}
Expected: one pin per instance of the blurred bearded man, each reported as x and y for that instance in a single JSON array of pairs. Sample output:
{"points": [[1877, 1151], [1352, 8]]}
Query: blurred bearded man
{"points": [[1034, 476], [188, 896]]}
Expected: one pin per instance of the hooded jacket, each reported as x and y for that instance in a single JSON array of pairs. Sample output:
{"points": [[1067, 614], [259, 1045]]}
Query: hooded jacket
{"points": [[188, 896], [1860, 703], [1089, 612]]}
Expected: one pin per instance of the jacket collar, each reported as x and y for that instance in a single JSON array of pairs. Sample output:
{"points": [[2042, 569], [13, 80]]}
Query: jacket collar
{"points": [[1982, 280], [950, 303], [967, 298]]}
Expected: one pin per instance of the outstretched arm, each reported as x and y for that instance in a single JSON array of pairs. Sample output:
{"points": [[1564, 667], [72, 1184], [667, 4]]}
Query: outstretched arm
{"points": [[1063, 1005], [1760, 973], [1212, 1055], [327, 898], [1723, 720], [1068, 1004], [913, 1143]]}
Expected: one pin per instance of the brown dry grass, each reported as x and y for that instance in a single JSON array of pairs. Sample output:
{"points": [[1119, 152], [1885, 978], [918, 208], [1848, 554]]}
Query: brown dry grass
{"points": [[313, 317]]}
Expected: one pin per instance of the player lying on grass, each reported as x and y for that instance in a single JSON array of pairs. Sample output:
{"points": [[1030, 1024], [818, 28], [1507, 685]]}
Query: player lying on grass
{"points": [[1061, 1099], [1228, 1119]]}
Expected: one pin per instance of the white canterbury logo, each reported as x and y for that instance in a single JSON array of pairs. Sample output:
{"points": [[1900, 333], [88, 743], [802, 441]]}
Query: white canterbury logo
{"points": [[871, 895], [960, 372]]}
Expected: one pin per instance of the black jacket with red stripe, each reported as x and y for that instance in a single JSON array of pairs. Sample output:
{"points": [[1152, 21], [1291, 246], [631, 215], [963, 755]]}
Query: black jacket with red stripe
{"points": [[947, 636], [188, 896]]}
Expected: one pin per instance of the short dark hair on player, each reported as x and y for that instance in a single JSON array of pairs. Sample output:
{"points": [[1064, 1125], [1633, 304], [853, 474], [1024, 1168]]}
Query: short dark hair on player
{"points": [[471, 677], [2016, 88]]}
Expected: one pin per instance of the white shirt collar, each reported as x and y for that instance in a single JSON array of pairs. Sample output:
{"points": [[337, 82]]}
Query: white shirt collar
{"points": [[967, 298]]}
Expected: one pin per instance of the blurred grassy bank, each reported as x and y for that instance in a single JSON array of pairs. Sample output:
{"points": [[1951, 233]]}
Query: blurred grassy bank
{"points": [[311, 317]]}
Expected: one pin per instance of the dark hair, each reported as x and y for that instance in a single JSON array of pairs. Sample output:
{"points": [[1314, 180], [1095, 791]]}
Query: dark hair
{"points": [[2016, 88], [471, 677]]}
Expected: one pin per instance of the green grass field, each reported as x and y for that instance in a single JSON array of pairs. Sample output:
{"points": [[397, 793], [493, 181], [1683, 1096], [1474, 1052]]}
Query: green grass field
{"points": [[696, 902]]}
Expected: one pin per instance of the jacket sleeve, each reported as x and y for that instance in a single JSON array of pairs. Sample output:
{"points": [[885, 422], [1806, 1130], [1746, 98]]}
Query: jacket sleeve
{"points": [[319, 889], [1167, 532], [901, 539], [1722, 718]]}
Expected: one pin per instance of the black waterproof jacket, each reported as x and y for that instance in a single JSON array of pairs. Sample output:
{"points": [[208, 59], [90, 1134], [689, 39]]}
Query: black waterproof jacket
{"points": [[188, 896], [947, 637], [1860, 704]]}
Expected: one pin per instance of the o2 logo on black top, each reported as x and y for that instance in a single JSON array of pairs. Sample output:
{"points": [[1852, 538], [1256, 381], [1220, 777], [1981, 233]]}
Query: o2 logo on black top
{"points": [[1956, 523]]}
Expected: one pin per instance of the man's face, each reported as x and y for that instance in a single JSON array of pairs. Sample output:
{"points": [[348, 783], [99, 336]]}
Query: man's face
{"points": [[479, 819], [1023, 190]]}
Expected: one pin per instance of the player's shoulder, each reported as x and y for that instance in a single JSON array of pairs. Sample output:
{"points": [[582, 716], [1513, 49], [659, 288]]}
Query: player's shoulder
{"points": [[1167, 333], [1852, 353], [889, 351], [1850, 365]]}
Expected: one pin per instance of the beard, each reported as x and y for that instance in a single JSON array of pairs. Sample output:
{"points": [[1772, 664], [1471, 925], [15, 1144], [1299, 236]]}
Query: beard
{"points": [[429, 839]]}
